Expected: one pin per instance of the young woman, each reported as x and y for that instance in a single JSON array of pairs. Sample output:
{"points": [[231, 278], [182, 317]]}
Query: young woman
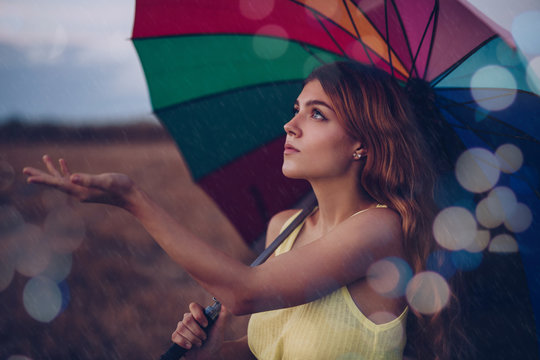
{"points": [[354, 138]]}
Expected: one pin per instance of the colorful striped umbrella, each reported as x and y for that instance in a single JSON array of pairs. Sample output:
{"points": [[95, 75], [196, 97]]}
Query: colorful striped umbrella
{"points": [[223, 75]]}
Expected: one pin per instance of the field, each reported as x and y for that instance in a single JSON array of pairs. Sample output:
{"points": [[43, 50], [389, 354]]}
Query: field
{"points": [[123, 296]]}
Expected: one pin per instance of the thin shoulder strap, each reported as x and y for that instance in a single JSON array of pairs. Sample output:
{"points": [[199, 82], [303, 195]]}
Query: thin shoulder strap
{"points": [[285, 233]]}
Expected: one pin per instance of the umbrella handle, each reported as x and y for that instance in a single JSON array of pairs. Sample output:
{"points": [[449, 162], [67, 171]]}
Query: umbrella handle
{"points": [[211, 312]]}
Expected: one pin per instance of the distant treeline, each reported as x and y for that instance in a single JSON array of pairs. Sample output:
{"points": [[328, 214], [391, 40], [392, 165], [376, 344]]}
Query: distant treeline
{"points": [[19, 131]]}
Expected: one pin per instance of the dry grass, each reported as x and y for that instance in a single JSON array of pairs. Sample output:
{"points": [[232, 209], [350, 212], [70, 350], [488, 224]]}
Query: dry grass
{"points": [[125, 294]]}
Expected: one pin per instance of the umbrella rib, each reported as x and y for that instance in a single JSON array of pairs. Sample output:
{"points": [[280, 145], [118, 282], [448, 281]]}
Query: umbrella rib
{"points": [[447, 72], [415, 58], [388, 36], [308, 50], [523, 134], [356, 30], [328, 32], [407, 43], [435, 17], [475, 131]]}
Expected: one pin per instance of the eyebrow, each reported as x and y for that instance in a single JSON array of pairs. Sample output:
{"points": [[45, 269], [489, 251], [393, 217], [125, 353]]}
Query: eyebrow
{"points": [[315, 102]]}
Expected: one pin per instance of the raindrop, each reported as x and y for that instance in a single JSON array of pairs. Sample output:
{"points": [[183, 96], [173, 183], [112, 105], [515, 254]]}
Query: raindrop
{"points": [[525, 30], [272, 46], [480, 243], [64, 229], [533, 74], [42, 299], [256, 10], [454, 228], [503, 243], [477, 170], [493, 77], [389, 276], [510, 158], [59, 267], [466, 261], [7, 175], [428, 292], [33, 252], [520, 219]]}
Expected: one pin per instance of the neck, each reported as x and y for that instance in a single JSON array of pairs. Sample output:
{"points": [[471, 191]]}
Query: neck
{"points": [[338, 199]]}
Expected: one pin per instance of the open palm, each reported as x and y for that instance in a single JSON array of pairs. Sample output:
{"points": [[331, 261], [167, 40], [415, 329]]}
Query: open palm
{"points": [[107, 188]]}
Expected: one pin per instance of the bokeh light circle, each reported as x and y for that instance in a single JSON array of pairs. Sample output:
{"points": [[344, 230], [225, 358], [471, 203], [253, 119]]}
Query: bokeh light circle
{"points": [[510, 158], [42, 299], [428, 292], [64, 229], [255, 10], [33, 252], [520, 219], [454, 228], [496, 207], [525, 30], [59, 267], [503, 243], [7, 270], [480, 242], [7, 175], [270, 47], [477, 170], [493, 77], [533, 74], [389, 276]]}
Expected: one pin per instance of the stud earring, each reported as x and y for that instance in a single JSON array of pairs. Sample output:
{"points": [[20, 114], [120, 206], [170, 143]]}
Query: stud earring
{"points": [[357, 156]]}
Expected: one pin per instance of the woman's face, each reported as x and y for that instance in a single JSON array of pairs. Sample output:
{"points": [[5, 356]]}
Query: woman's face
{"points": [[317, 146]]}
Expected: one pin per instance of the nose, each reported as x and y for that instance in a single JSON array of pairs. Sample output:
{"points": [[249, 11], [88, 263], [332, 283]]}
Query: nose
{"points": [[291, 128]]}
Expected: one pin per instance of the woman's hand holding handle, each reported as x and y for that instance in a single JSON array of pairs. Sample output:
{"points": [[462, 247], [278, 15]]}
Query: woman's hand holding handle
{"points": [[196, 333]]}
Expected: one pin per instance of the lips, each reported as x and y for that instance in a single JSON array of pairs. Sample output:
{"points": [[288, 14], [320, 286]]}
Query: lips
{"points": [[289, 149]]}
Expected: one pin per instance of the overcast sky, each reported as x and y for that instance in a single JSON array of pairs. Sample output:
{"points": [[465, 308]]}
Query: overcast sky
{"points": [[70, 60]]}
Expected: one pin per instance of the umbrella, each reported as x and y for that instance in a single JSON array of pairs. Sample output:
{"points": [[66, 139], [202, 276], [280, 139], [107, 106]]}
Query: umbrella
{"points": [[222, 76]]}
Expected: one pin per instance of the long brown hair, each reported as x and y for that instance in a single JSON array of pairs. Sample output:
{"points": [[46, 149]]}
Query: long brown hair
{"points": [[398, 172]]}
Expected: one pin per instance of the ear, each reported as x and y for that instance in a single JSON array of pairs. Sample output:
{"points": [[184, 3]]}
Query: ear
{"points": [[359, 151]]}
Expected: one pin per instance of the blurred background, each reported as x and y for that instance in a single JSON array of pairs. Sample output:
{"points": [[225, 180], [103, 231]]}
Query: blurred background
{"points": [[86, 281]]}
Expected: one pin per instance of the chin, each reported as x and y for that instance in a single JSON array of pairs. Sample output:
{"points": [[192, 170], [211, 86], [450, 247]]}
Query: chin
{"points": [[291, 173]]}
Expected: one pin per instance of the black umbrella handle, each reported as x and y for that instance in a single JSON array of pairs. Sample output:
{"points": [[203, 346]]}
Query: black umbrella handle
{"points": [[211, 312]]}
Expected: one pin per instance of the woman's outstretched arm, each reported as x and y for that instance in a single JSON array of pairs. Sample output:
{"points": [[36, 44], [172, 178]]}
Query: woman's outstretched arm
{"points": [[303, 274]]}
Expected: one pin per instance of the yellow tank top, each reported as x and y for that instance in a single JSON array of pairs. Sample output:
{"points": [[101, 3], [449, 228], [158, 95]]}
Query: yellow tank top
{"points": [[331, 327]]}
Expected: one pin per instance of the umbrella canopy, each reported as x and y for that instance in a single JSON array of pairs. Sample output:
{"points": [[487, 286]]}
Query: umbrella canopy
{"points": [[223, 76]]}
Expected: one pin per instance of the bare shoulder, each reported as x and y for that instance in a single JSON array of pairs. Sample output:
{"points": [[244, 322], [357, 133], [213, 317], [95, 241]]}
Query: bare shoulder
{"points": [[382, 225], [276, 223]]}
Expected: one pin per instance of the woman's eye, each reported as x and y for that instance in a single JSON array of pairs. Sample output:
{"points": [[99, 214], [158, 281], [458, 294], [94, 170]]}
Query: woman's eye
{"points": [[318, 115], [294, 111]]}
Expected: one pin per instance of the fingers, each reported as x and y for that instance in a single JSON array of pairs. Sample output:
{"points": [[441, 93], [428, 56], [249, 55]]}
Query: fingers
{"points": [[64, 168], [198, 313], [189, 332], [50, 166]]}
